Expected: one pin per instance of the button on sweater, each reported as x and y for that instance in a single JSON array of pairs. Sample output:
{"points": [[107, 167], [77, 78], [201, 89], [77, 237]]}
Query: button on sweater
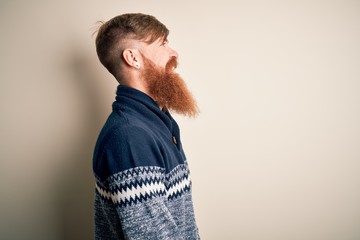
{"points": [[143, 186]]}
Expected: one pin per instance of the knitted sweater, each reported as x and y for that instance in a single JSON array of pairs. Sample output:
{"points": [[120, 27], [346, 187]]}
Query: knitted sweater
{"points": [[143, 187]]}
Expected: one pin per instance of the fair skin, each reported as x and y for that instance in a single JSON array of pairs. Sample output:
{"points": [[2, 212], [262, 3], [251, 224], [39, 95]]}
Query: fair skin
{"points": [[159, 52]]}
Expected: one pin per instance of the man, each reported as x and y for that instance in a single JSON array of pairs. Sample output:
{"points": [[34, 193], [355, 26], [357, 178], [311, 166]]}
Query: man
{"points": [[143, 188]]}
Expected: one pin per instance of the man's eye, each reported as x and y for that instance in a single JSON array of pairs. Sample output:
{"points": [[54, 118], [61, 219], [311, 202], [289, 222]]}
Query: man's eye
{"points": [[164, 43]]}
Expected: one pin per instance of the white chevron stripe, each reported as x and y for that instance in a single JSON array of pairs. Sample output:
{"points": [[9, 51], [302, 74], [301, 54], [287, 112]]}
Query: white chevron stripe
{"points": [[102, 192], [131, 194], [179, 186]]}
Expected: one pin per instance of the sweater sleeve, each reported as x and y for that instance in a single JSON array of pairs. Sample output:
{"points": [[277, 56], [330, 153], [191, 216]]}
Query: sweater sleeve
{"points": [[131, 197]]}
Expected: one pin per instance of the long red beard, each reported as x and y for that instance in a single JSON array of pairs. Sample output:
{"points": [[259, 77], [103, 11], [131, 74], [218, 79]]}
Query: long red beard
{"points": [[168, 89]]}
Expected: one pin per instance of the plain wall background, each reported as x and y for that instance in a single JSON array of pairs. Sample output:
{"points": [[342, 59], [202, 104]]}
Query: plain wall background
{"points": [[274, 155]]}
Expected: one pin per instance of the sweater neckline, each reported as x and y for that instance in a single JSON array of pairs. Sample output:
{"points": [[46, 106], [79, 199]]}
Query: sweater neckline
{"points": [[123, 90], [144, 99]]}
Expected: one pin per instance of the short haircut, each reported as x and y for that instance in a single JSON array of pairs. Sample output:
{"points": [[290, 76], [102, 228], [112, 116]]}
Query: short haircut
{"points": [[113, 35]]}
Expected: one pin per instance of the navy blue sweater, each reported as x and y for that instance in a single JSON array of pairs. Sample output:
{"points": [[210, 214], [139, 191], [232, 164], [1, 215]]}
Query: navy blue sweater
{"points": [[143, 187]]}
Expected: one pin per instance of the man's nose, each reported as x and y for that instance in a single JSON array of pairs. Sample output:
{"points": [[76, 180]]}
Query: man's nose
{"points": [[173, 53]]}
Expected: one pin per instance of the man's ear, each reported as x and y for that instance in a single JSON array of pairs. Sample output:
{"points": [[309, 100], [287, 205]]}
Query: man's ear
{"points": [[131, 58]]}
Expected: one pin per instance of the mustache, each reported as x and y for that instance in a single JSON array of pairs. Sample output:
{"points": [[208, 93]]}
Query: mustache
{"points": [[171, 64]]}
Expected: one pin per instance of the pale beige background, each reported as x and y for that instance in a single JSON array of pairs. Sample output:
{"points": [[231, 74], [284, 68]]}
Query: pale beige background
{"points": [[274, 155]]}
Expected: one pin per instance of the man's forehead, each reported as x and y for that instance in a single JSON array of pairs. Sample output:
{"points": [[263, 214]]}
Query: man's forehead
{"points": [[150, 39]]}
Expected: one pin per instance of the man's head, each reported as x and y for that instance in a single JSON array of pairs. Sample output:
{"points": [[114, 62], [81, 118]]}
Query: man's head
{"points": [[134, 48], [120, 39]]}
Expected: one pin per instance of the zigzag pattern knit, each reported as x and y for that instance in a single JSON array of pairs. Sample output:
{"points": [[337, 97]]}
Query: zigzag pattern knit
{"points": [[143, 186]]}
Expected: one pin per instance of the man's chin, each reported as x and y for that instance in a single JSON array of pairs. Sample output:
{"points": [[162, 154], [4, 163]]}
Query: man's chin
{"points": [[168, 89]]}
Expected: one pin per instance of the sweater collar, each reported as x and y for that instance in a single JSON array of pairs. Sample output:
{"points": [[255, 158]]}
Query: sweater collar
{"points": [[129, 92], [125, 93]]}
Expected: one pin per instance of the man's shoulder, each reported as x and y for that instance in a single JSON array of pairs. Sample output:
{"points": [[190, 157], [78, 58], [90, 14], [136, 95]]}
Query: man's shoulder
{"points": [[124, 144], [120, 126]]}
